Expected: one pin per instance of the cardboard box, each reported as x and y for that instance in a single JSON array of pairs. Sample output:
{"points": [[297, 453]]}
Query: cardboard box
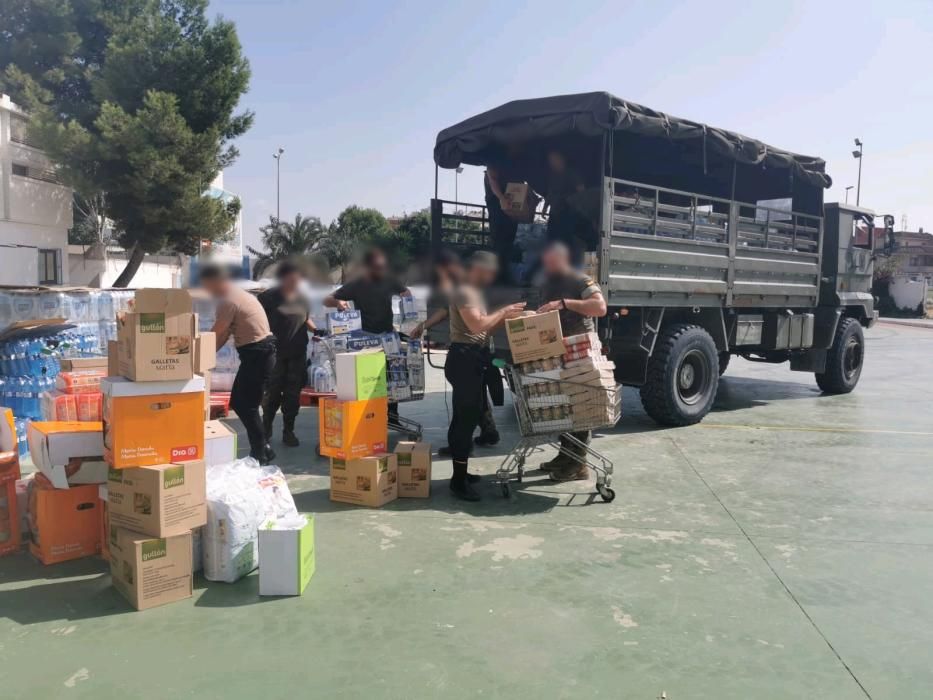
{"points": [[104, 521], [113, 358], [220, 443], [68, 452], [74, 364], [206, 375], [522, 201], [9, 447], [10, 536], [65, 523], [339, 322], [205, 352], [157, 346], [361, 375], [350, 429], [286, 556], [368, 481], [535, 337], [414, 469], [150, 571], [148, 423], [160, 501]]}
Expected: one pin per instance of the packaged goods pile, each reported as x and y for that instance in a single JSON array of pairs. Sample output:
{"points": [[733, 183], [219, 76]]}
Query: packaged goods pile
{"points": [[149, 486]]}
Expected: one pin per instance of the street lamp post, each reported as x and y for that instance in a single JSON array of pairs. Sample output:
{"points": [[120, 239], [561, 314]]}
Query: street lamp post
{"points": [[278, 169], [457, 183], [858, 155], [847, 193]]}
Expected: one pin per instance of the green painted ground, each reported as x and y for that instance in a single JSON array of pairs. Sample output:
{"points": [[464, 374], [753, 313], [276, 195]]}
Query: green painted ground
{"points": [[782, 549]]}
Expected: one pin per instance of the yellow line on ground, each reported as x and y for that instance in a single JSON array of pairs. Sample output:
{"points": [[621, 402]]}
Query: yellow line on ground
{"points": [[794, 428]]}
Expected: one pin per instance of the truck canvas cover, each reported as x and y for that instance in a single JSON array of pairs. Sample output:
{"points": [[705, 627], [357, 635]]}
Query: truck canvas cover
{"points": [[600, 113]]}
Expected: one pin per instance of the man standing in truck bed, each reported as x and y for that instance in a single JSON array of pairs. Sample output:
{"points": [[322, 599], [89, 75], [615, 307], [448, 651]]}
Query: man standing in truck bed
{"points": [[579, 300]]}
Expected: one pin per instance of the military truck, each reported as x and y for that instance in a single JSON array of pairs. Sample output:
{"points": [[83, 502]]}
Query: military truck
{"points": [[706, 243]]}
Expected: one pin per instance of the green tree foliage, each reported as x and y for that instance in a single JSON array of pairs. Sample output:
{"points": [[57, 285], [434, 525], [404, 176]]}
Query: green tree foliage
{"points": [[283, 240], [136, 100], [353, 231]]}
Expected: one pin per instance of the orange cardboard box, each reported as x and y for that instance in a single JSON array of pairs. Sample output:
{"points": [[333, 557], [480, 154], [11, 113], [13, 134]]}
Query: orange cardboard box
{"points": [[149, 423], [9, 450], [104, 522], [10, 536], [353, 429], [65, 523]]}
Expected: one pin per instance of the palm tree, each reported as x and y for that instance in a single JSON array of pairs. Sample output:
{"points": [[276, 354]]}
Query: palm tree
{"points": [[284, 240]]}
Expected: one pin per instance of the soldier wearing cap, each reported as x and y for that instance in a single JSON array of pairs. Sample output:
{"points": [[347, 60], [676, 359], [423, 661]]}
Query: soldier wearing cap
{"points": [[580, 301], [468, 359]]}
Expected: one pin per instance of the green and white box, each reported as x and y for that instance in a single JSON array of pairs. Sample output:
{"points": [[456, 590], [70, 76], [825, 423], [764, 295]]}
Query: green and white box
{"points": [[361, 375], [286, 555]]}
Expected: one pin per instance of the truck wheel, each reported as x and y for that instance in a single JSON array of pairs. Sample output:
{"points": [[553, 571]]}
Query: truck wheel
{"points": [[683, 375], [844, 359], [724, 358]]}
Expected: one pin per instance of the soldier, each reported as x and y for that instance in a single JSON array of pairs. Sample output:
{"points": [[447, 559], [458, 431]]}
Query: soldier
{"points": [[579, 300]]}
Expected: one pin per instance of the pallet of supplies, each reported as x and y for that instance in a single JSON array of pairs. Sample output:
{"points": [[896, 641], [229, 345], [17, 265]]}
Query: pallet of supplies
{"points": [[367, 481], [414, 469], [361, 375], [64, 522], [535, 337], [350, 429], [151, 571], [147, 423], [160, 501], [286, 555]]}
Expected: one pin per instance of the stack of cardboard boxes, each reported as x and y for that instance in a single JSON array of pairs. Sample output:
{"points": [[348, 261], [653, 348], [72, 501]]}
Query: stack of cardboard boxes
{"points": [[154, 445], [354, 434], [10, 520], [566, 382]]}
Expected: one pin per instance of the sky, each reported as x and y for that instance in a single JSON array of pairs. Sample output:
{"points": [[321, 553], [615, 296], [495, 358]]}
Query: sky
{"points": [[355, 92]]}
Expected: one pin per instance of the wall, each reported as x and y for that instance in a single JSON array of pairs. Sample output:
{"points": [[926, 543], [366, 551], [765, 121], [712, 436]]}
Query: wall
{"points": [[155, 271], [908, 293]]}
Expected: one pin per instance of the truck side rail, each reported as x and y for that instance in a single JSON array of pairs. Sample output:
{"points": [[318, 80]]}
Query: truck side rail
{"points": [[665, 247]]}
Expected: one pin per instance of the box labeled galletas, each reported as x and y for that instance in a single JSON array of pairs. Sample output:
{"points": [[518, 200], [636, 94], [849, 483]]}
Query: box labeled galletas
{"points": [[361, 375], [150, 571], [535, 337], [65, 523], [286, 555], [156, 346], [350, 429], [220, 443], [414, 469], [368, 481], [68, 452], [160, 501], [147, 423]]}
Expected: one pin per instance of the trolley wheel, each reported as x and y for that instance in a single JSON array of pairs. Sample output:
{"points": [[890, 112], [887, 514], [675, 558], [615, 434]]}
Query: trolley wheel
{"points": [[607, 494], [506, 490]]}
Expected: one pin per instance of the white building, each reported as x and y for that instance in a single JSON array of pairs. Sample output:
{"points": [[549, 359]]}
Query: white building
{"points": [[230, 250], [35, 211]]}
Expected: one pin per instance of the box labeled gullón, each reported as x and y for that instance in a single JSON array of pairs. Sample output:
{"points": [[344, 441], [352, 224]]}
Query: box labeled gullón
{"points": [[368, 481], [160, 501], [535, 337], [148, 423], [150, 571], [414, 469]]}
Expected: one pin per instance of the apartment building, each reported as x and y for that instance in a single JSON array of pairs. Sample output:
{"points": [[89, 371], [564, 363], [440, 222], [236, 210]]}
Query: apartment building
{"points": [[35, 210]]}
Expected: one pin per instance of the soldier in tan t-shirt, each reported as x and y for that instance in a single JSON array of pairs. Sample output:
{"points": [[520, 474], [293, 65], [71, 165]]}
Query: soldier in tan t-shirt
{"points": [[241, 316]]}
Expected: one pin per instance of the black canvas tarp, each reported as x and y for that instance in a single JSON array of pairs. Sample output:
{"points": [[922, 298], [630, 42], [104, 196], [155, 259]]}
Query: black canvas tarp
{"points": [[598, 113]]}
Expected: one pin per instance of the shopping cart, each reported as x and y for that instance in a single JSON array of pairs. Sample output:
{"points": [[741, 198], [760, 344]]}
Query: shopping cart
{"points": [[405, 382], [547, 411]]}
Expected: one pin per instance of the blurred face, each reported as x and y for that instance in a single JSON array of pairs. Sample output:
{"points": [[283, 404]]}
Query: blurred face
{"points": [[377, 267], [289, 283], [556, 161], [555, 261], [481, 276], [215, 286]]}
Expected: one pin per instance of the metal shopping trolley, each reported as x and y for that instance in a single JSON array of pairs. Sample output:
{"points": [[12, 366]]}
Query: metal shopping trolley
{"points": [[405, 382], [549, 408]]}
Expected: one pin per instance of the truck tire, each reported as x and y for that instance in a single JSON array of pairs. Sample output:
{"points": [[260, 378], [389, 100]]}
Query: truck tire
{"points": [[724, 358], [682, 377], [844, 359]]}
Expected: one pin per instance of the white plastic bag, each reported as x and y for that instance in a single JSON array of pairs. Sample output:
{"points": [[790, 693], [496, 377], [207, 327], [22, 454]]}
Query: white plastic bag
{"points": [[241, 496]]}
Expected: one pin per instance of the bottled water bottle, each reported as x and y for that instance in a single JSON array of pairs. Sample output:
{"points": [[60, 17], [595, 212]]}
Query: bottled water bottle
{"points": [[24, 307]]}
